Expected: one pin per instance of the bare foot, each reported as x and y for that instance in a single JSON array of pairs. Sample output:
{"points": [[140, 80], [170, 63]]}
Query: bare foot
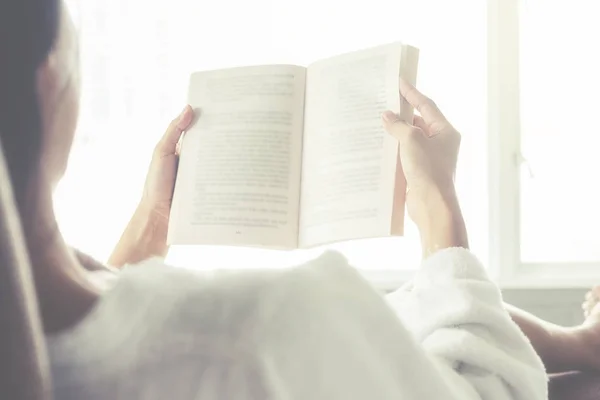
{"points": [[590, 329], [590, 304]]}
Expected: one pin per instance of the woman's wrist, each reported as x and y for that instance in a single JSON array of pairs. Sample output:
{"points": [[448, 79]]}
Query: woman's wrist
{"points": [[442, 224], [154, 226], [145, 236]]}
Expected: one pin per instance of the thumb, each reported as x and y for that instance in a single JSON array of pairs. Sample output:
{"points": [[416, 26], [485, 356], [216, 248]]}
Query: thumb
{"points": [[395, 126], [168, 144]]}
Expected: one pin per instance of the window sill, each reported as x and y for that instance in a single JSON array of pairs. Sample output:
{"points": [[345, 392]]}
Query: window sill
{"points": [[526, 276], [553, 276]]}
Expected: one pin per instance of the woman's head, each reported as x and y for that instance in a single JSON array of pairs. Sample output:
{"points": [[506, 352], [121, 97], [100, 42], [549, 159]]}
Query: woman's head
{"points": [[39, 90]]}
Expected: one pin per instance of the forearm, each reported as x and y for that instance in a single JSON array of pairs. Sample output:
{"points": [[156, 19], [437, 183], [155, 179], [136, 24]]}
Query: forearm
{"points": [[559, 348], [145, 236], [442, 224]]}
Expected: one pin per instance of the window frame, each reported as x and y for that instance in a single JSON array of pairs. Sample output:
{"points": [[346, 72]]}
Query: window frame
{"points": [[505, 161]]}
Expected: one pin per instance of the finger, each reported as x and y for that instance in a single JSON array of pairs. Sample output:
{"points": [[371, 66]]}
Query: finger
{"points": [[396, 127], [419, 122], [424, 105], [178, 146], [168, 143]]}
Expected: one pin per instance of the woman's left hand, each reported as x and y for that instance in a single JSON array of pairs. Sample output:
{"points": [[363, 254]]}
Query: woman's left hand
{"points": [[160, 181], [146, 234]]}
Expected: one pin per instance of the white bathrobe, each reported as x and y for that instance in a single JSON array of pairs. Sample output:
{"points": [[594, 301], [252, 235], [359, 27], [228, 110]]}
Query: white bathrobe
{"points": [[314, 332]]}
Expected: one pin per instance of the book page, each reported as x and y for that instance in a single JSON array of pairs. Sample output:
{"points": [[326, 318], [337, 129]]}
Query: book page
{"points": [[238, 181], [349, 161]]}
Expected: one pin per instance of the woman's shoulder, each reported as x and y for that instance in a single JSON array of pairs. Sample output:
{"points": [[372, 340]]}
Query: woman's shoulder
{"points": [[156, 315], [152, 292], [180, 300], [232, 283]]}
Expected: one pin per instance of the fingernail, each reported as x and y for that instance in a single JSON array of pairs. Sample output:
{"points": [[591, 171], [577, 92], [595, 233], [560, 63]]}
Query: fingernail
{"points": [[389, 116], [183, 112]]}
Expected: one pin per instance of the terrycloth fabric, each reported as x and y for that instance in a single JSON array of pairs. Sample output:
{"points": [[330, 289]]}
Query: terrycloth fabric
{"points": [[314, 332], [456, 314]]}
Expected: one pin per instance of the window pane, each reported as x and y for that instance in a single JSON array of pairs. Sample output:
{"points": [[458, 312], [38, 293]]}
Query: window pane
{"points": [[560, 82], [135, 76]]}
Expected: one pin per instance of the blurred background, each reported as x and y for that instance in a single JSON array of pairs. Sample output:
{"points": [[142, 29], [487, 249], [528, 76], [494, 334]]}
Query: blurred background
{"points": [[518, 78]]}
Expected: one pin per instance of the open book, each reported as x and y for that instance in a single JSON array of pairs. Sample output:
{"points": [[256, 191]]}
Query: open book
{"points": [[283, 156]]}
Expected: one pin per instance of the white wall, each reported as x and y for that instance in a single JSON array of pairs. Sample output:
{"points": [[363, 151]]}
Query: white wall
{"points": [[561, 306]]}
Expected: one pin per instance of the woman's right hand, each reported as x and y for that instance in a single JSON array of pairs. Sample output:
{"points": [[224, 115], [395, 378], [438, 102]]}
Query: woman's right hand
{"points": [[428, 154]]}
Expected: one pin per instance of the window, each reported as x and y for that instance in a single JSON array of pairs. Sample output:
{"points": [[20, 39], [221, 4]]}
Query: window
{"points": [[560, 199], [494, 69], [542, 79]]}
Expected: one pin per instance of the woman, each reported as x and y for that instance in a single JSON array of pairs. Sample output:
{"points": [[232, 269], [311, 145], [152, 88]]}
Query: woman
{"points": [[318, 331]]}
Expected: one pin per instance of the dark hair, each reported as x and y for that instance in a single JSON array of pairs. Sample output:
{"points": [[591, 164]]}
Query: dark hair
{"points": [[28, 31]]}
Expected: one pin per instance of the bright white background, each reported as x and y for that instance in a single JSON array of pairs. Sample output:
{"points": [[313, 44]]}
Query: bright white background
{"points": [[137, 55], [560, 82]]}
